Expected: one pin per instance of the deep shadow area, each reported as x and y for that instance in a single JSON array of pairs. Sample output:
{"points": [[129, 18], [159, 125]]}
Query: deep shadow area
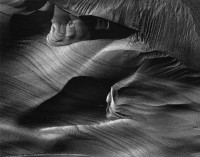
{"points": [[38, 22], [114, 30], [81, 97]]}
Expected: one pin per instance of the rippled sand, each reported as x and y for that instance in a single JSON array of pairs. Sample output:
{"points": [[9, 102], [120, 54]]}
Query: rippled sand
{"points": [[95, 98]]}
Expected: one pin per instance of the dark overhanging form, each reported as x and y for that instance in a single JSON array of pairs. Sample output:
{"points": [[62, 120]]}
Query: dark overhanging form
{"points": [[133, 94]]}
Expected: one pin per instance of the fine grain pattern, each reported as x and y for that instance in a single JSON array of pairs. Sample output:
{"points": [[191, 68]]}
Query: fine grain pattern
{"points": [[53, 99], [166, 25]]}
